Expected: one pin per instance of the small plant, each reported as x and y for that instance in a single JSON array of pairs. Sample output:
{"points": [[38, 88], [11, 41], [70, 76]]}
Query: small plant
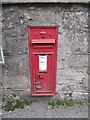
{"points": [[11, 102], [61, 102], [57, 102], [83, 103], [11, 105]]}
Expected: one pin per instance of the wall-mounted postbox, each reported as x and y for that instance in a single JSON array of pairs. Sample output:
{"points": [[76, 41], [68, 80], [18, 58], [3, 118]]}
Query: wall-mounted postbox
{"points": [[43, 59]]}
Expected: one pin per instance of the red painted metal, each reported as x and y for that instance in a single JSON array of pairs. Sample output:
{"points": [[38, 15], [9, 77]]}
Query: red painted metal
{"points": [[43, 43]]}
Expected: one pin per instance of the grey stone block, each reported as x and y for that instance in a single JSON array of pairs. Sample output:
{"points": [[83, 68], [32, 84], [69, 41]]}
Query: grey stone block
{"points": [[77, 61], [79, 95], [16, 46], [16, 82], [79, 22], [0, 102], [16, 65], [21, 93], [0, 71]]}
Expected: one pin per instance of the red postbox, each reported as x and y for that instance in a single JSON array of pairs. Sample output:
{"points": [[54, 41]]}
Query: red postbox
{"points": [[43, 43]]}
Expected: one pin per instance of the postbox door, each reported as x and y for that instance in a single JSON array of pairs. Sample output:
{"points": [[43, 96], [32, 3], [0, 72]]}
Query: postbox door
{"points": [[43, 72]]}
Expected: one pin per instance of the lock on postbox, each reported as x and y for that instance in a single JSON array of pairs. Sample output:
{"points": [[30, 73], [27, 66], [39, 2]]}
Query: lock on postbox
{"points": [[43, 43]]}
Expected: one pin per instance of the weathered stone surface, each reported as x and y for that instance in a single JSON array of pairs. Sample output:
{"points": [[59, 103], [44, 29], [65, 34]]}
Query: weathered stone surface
{"points": [[16, 82], [73, 61], [16, 65], [0, 103], [0, 97], [79, 95], [76, 95], [45, 1], [71, 80], [14, 46], [77, 61], [75, 20], [0, 71], [22, 93], [72, 64]]}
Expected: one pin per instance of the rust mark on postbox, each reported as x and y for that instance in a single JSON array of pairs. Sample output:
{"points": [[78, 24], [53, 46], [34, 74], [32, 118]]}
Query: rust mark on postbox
{"points": [[43, 43]]}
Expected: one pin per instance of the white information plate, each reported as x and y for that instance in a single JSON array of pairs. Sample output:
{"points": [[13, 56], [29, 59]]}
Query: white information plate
{"points": [[42, 62]]}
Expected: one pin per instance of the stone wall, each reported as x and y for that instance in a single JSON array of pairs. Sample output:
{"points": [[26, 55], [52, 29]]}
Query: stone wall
{"points": [[72, 65], [45, 1]]}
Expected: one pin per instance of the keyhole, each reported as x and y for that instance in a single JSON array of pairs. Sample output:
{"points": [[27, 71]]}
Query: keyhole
{"points": [[39, 76]]}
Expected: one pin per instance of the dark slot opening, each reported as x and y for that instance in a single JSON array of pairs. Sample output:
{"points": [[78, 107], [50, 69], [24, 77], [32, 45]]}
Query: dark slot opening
{"points": [[43, 44]]}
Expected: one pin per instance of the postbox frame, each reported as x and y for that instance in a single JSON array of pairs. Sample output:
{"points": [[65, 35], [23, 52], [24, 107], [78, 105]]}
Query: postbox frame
{"points": [[54, 54]]}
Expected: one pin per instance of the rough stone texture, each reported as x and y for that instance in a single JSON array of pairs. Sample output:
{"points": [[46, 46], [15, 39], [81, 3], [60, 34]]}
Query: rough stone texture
{"points": [[16, 82], [72, 65], [0, 64], [45, 1]]}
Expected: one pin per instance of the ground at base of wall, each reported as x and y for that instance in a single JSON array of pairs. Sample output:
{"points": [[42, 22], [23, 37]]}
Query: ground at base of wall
{"points": [[45, 107], [12, 102], [41, 109]]}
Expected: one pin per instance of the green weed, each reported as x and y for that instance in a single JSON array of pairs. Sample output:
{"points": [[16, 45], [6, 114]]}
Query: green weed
{"points": [[57, 102], [10, 103]]}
